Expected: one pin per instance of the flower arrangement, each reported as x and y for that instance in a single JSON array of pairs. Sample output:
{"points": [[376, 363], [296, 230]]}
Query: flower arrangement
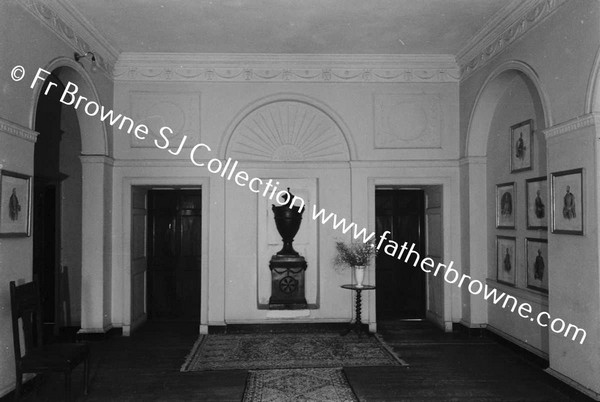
{"points": [[354, 254]]}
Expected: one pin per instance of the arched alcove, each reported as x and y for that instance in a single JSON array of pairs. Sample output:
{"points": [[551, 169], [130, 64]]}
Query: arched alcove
{"points": [[287, 127], [510, 96], [487, 100]]}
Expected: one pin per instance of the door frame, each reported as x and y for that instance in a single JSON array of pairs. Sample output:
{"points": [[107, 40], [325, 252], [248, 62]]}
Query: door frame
{"points": [[451, 307], [126, 218]]}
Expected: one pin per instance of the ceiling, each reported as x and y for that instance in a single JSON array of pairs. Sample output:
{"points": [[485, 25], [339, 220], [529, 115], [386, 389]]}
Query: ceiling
{"points": [[291, 26]]}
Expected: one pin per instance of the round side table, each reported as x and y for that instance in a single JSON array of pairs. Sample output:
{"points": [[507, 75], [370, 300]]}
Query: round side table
{"points": [[357, 326]]}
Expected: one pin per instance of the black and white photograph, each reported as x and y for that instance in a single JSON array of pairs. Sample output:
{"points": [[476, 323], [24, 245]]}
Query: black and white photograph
{"points": [[521, 136], [567, 202], [299, 200], [506, 260], [505, 205], [537, 203], [536, 251], [15, 204]]}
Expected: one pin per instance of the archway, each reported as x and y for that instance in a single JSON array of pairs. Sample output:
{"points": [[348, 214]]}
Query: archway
{"points": [[85, 157]]}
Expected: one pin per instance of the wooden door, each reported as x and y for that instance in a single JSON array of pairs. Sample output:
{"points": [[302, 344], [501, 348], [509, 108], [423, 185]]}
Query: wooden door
{"points": [[400, 286], [174, 254]]}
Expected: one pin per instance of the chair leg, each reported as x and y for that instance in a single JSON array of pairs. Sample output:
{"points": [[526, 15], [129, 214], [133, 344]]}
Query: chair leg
{"points": [[18, 385], [86, 374], [68, 386]]}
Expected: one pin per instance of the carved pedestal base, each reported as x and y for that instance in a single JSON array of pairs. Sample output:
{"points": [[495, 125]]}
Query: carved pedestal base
{"points": [[287, 282]]}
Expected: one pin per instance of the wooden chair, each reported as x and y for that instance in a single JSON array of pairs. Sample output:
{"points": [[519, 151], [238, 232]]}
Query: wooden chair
{"points": [[37, 357]]}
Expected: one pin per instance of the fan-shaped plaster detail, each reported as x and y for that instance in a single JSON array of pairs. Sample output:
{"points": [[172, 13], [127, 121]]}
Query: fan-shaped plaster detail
{"points": [[288, 131]]}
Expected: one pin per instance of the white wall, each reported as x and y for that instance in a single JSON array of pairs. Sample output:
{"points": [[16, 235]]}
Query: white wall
{"points": [[558, 53], [374, 130]]}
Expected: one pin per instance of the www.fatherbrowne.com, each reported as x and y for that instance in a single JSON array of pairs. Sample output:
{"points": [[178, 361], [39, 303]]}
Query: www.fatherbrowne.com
{"points": [[71, 97], [452, 276]]}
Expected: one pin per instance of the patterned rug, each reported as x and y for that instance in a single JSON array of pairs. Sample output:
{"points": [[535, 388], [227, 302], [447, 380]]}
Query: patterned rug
{"points": [[298, 350], [308, 384]]}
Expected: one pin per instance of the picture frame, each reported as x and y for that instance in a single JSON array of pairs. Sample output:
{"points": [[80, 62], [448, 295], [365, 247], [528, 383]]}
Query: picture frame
{"points": [[15, 204], [521, 146], [567, 194], [505, 205], [537, 203], [506, 260], [536, 251]]}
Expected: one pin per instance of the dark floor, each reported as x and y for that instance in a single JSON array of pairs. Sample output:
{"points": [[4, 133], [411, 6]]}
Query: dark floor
{"points": [[443, 367]]}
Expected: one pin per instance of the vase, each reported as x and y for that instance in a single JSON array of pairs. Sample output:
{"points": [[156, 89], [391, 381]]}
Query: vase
{"points": [[359, 275], [287, 221]]}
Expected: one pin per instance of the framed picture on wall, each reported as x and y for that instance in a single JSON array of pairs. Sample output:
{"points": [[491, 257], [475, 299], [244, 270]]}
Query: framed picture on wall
{"points": [[536, 251], [506, 259], [505, 205], [567, 201], [521, 152], [15, 204], [537, 203]]}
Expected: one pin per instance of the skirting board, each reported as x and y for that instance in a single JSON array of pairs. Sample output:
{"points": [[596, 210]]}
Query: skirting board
{"points": [[518, 342], [592, 394], [438, 320], [11, 387]]}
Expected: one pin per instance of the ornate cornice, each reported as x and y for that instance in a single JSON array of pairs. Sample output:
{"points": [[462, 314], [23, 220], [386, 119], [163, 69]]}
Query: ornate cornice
{"points": [[17, 130], [498, 35], [586, 120], [74, 29], [285, 68]]}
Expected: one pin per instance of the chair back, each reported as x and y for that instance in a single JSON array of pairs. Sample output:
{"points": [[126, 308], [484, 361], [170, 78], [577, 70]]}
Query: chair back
{"points": [[25, 304]]}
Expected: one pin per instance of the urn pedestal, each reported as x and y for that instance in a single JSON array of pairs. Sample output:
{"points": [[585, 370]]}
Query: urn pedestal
{"points": [[287, 282], [287, 266]]}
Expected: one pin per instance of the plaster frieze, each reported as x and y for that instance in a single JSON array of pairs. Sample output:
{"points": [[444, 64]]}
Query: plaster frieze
{"points": [[17, 130], [586, 120], [497, 37], [285, 68], [72, 28]]}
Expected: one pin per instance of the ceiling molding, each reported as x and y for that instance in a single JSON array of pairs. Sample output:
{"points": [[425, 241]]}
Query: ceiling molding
{"points": [[285, 67], [509, 24], [74, 29]]}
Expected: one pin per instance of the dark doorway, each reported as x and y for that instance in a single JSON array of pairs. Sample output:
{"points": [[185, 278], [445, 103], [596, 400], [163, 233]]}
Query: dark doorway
{"points": [[400, 286], [174, 254], [46, 200]]}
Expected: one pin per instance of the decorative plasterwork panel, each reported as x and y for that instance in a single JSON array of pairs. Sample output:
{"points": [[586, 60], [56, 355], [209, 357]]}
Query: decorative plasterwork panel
{"points": [[586, 120], [18, 131], [288, 131], [500, 37], [407, 120], [61, 17], [286, 68], [178, 111]]}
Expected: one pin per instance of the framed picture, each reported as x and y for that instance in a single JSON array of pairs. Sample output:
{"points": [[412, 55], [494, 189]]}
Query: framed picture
{"points": [[521, 152], [536, 251], [537, 203], [567, 201], [506, 260], [15, 204], [505, 205]]}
